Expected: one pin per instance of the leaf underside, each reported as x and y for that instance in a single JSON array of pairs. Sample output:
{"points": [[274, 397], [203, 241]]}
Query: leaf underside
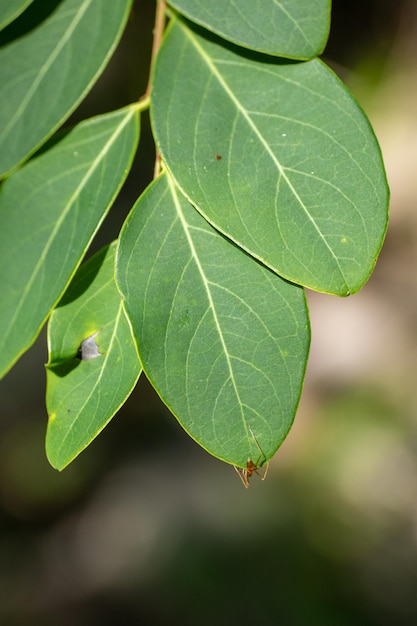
{"points": [[46, 71], [223, 340], [276, 155], [11, 9], [289, 28], [49, 212], [85, 388]]}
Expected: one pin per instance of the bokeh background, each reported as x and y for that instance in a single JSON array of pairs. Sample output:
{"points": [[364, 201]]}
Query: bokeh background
{"points": [[146, 527]]}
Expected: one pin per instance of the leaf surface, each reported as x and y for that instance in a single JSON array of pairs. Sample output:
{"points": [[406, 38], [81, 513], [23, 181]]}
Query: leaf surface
{"points": [[276, 155], [46, 71], [85, 388], [223, 339], [11, 9], [288, 28], [49, 212]]}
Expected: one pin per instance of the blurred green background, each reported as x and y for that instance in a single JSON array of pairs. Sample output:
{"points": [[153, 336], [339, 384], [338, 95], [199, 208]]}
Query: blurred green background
{"points": [[146, 527]]}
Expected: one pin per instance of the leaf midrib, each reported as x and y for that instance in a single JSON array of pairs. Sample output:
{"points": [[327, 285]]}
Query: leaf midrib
{"points": [[185, 226]]}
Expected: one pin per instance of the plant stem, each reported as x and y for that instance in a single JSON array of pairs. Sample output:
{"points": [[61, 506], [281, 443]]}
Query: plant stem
{"points": [[158, 31]]}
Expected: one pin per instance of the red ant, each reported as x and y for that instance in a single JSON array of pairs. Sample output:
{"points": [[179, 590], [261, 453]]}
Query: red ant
{"points": [[245, 473]]}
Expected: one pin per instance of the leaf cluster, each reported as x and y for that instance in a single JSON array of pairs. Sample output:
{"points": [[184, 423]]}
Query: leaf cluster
{"points": [[269, 179]]}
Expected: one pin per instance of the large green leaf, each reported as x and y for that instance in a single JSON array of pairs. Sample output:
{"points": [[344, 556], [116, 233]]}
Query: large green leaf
{"points": [[49, 212], [11, 9], [46, 71], [93, 363], [223, 339], [289, 28], [277, 155]]}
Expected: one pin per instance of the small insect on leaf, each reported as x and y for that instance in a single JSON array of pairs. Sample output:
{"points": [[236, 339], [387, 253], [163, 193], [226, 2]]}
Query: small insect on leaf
{"points": [[218, 157], [89, 348], [245, 473]]}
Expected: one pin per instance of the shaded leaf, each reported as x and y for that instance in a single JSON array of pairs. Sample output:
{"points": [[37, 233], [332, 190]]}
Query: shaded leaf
{"points": [[289, 28], [223, 340], [49, 212], [84, 392], [46, 72], [276, 155], [11, 9]]}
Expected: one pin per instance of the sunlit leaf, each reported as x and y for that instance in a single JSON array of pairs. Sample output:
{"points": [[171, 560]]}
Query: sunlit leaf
{"points": [[223, 339], [49, 212], [289, 28], [277, 155], [93, 363], [47, 70]]}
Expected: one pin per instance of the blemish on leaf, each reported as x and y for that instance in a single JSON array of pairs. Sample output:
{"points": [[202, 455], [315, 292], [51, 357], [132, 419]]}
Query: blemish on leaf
{"points": [[185, 318], [89, 348]]}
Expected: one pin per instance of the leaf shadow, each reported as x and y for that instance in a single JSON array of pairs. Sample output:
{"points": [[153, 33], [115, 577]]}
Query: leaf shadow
{"points": [[63, 368], [84, 278], [53, 141], [36, 13], [247, 53]]}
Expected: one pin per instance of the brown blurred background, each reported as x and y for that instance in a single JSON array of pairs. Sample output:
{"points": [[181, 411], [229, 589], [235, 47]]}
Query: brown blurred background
{"points": [[146, 527]]}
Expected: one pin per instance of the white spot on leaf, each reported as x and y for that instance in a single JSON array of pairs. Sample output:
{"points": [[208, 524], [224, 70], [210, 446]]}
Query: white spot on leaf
{"points": [[89, 348]]}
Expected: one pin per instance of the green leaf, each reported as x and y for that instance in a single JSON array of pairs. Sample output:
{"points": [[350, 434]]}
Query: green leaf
{"points": [[49, 212], [11, 9], [46, 72], [223, 340], [276, 155], [84, 390], [289, 28]]}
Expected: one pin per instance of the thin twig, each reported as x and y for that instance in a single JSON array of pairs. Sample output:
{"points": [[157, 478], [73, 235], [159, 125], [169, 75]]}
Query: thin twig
{"points": [[158, 31], [157, 166]]}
